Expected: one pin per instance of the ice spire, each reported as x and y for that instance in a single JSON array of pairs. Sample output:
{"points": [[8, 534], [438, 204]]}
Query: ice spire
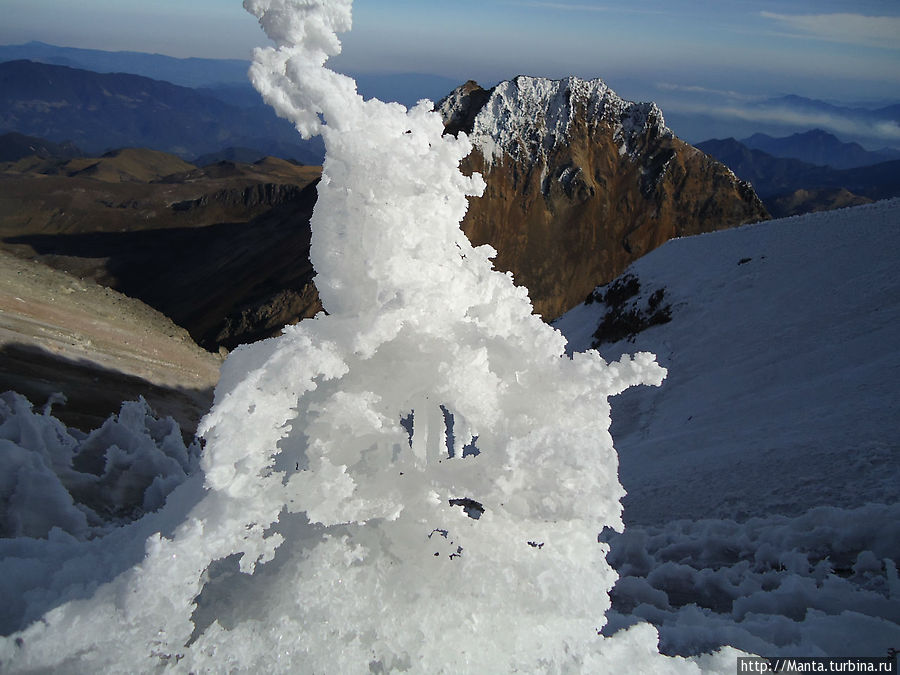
{"points": [[414, 481]]}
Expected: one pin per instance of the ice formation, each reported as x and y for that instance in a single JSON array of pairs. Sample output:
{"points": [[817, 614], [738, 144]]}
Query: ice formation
{"points": [[82, 484], [415, 481]]}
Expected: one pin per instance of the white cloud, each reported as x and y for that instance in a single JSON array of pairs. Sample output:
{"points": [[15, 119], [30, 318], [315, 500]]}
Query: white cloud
{"points": [[697, 89], [871, 31], [883, 129]]}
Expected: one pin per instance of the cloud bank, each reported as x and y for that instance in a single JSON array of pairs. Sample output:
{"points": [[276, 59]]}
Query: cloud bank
{"points": [[856, 29], [884, 130]]}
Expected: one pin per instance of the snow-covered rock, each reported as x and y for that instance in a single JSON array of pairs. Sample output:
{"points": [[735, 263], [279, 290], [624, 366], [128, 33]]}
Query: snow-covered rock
{"points": [[526, 118]]}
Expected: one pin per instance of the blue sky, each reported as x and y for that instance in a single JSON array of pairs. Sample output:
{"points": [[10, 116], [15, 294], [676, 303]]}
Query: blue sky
{"points": [[678, 52], [808, 47]]}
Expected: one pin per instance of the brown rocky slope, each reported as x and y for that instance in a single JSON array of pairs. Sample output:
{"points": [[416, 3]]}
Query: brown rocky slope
{"points": [[222, 250], [61, 334], [580, 183]]}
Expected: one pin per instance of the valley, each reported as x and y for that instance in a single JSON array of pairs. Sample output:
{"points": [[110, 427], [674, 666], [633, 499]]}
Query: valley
{"points": [[222, 250]]}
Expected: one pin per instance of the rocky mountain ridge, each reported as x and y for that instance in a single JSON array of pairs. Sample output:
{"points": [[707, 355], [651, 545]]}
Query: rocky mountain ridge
{"points": [[527, 118], [582, 182], [100, 111], [791, 186], [222, 250]]}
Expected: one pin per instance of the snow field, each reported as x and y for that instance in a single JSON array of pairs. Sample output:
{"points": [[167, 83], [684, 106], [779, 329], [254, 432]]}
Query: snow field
{"points": [[762, 476]]}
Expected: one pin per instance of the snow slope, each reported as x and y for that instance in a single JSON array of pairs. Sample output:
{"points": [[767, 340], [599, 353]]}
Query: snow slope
{"points": [[762, 477]]}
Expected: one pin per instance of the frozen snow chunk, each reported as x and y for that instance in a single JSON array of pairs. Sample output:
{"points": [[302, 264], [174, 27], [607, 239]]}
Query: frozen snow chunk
{"points": [[55, 477]]}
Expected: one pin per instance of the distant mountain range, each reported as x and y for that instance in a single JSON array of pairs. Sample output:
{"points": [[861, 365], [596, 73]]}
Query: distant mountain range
{"points": [[101, 111], [789, 186], [193, 72], [697, 116], [194, 108], [820, 148], [225, 79]]}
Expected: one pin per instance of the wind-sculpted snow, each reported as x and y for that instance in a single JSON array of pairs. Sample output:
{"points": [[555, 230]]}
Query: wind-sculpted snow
{"points": [[82, 484], [821, 584], [414, 481]]}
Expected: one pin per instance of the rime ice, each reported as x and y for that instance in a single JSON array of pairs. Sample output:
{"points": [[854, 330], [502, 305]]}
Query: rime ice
{"points": [[52, 476], [415, 481]]}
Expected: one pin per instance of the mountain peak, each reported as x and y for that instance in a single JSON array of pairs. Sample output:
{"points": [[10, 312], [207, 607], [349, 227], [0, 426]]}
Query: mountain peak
{"points": [[580, 182], [817, 134], [528, 117]]}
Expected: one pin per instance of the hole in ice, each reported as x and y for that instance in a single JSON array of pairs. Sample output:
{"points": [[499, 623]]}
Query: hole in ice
{"points": [[472, 508], [471, 450], [468, 450], [448, 430], [407, 424]]}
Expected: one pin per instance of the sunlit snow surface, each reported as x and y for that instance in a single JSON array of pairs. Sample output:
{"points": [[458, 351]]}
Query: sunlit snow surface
{"points": [[763, 477]]}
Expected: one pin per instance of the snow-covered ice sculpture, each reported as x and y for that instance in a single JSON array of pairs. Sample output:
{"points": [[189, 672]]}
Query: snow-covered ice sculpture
{"points": [[415, 481]]}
